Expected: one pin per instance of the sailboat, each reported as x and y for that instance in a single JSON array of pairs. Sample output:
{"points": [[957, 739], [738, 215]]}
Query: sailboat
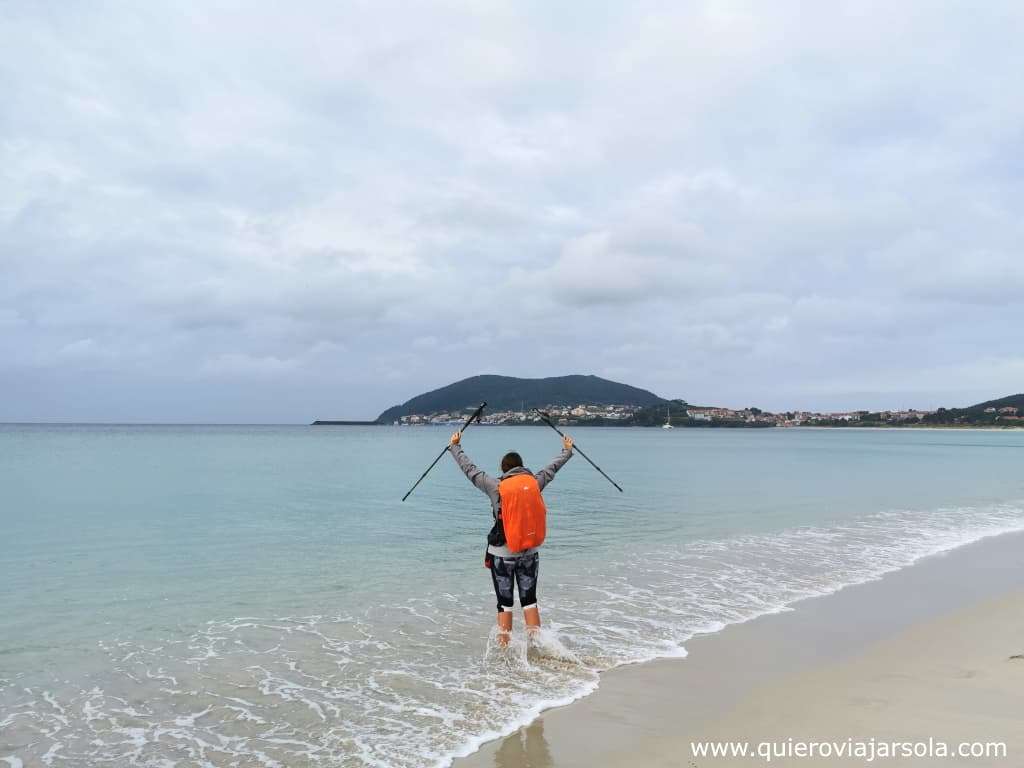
{"points": [[668, 418]]}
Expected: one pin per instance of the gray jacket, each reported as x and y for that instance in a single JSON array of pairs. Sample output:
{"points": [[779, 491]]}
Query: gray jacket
{"points": [[489, 485]]}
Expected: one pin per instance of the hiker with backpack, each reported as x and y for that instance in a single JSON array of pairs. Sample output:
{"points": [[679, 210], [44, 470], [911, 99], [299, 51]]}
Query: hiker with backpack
{"points": [[519, 527]]}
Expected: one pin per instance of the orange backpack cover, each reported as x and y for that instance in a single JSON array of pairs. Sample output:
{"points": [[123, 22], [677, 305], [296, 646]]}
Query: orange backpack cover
{"points": [[523, 514]]}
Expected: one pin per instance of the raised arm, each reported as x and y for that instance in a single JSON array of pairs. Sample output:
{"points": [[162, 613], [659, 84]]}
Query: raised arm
{"points": [[476, 476], [547, 474]]}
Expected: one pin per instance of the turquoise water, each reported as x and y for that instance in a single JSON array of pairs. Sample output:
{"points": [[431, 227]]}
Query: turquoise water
{"points": [[260, 596]]}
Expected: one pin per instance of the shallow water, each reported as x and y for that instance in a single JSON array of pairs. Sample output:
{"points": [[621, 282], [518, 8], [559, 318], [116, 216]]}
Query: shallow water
{"points": [[260, 596]]}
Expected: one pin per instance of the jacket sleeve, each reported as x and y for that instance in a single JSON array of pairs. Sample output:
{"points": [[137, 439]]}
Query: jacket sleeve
{"points": [[547, 474], [476, 476]]}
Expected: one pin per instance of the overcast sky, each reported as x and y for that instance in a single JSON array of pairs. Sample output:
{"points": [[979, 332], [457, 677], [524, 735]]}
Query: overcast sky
{"points": [[283, 211]]}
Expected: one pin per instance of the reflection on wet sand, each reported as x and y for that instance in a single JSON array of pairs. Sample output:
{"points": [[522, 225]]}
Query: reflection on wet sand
{"points": [[526, 748]]}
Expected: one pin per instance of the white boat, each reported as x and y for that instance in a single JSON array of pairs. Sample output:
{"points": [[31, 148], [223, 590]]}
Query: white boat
{"points": [[668, 418]]}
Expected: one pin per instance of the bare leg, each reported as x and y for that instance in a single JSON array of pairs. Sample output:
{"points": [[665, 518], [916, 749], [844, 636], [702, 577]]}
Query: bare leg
{"points": [[504, 627], [532, 617]]}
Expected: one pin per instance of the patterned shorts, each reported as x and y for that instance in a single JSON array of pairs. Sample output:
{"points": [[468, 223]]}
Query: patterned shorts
{"points": [[520, 570]]}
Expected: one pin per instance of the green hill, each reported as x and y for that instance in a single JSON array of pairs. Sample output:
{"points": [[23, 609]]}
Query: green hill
{"points": [[509, 393], [1002, 402]]}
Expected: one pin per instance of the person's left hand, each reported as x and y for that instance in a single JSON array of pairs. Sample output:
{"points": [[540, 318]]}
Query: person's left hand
{"points": [[456, 438], [567, 443]]}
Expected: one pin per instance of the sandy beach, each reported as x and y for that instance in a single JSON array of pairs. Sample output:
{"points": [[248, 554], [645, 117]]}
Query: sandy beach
{"points": [[953, 680], [921, 656]]}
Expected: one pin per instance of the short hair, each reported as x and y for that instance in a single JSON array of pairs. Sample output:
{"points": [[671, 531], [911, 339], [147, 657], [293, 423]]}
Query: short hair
{"points": [[511, 460]]}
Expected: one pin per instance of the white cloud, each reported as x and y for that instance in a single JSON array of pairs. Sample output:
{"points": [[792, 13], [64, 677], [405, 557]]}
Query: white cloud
{"points": [[239, 365], [358, 202]]}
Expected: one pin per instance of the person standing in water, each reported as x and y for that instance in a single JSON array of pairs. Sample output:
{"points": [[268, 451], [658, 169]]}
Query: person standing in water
{"points": [[519, 527]]}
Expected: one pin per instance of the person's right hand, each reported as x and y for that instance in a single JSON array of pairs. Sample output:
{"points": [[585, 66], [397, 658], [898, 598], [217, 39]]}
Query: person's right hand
{"points": [[567, 442], [456, 437]]}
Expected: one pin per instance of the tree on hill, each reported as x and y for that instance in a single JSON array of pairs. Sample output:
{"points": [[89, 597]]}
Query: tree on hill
{"points": [[653, 416]]}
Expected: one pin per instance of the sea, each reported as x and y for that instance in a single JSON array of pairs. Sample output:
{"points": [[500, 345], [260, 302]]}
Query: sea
{"points": [[261, 596]]}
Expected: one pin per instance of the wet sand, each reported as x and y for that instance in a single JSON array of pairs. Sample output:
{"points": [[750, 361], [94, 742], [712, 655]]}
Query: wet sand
{"points": [[923, 652]]}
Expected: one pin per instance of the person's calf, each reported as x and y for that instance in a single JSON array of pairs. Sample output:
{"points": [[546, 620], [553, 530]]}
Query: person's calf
{"points": [[504, 626], [531, 615]]}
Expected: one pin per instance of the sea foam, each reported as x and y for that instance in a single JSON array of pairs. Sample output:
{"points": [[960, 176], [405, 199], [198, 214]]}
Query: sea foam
{"points": [[421, 682]]}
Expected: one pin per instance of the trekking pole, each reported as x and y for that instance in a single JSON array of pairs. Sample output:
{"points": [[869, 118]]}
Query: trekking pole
{"points": [[475, 416], [575, 447]]}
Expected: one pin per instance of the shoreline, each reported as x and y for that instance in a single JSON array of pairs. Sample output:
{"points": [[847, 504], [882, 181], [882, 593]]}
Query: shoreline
{"points": [[356, 423], [646, 713], [702, 427]]}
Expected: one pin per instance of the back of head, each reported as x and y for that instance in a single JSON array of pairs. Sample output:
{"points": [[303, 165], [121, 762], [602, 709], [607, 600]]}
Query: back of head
{"points": [[510, 460]]}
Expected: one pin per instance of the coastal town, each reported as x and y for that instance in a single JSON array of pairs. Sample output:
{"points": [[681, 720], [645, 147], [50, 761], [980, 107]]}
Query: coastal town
{"points": [[564, 414], [679, 414]]}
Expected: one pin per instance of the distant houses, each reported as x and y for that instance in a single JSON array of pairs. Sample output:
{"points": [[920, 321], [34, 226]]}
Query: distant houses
{"points": [[756, 417], [580, 413], [752, 416], [1008, 410], [696, 416]]}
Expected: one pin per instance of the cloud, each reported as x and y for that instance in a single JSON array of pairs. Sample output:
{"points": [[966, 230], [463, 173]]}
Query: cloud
{"points": [[289, 214], [246, 366]]}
